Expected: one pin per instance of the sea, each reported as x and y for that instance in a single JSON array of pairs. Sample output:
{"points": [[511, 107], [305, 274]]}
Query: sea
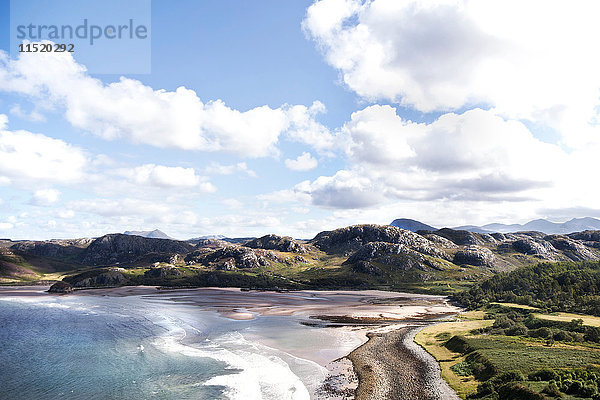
{"points": [[153, 347]]}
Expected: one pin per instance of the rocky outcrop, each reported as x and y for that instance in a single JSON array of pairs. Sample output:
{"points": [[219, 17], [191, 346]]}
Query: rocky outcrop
{"points": [[352, 238], [461, 238], [440, 241], [211, 244], [571, 248], [119, 248], [274, 242], [539, 249], [475, 255], [397, 256], [229, 258], [109, 277], [588, 236], [59, 249], [163, 271], [61, 288]]}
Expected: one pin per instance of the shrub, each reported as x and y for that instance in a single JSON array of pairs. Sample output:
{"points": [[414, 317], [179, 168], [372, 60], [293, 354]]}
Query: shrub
{"points": [[517, 330], [503, 322], [544, 374], [543, 332], [552, 390], [516, 391]]}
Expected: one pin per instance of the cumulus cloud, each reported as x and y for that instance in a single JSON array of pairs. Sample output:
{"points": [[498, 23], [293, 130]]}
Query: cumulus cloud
{"points": [[26, 156], [476, 155], [220, 169], [163, 176], [304, 162], [45, 197], [131, 110], [448, 54]]}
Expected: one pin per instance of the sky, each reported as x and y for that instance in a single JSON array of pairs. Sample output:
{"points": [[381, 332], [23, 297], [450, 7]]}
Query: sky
{"points": [[247, 118]]}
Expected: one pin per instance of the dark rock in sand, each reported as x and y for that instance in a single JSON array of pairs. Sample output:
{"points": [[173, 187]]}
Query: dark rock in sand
{"points": [[61, 287], [112, 277]]}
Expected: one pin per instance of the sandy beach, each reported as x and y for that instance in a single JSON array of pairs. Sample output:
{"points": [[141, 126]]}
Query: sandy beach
{"points": [[384, 363]]}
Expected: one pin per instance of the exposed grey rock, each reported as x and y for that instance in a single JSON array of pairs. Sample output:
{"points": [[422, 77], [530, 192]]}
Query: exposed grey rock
{"points": [[572, 249], [60, 249], [211, 243], [541, 249], [366, 267], [352, 238], [461, 238], [475, 255], [591, 236], [395, 255], [111, 277], [229, 258], [274, 242], [119, 248], [440, 240]]}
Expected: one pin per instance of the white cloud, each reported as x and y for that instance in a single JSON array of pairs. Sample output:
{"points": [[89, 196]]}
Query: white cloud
{"points": [[26, 156], [162, 176], [131, 110], [308, 131], [345, 189], [476, 156], [66, 214], [122, 207], [33, 115], [219, 169], [4, 226], [304, 162], [529, 60], [233, 204], [45, 197]]}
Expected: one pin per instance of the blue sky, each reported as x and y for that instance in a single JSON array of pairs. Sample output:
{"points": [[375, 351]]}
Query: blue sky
{"points": [[296, 117]]}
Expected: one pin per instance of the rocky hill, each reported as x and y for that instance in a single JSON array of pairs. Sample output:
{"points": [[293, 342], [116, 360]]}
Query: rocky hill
{"points": [[354, 256], [120, 248], [274, 242], [156, 234]]}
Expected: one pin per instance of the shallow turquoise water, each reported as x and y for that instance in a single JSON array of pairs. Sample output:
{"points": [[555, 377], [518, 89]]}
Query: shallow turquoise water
{"points": [[148, 347], [51, 352]]}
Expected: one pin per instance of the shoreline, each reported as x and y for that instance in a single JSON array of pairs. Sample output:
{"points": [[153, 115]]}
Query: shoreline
{"points": [[387, 364], [406, 371]]}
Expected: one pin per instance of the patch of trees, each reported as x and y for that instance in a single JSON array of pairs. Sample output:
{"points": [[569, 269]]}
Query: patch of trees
{"points": [[564, 286]]}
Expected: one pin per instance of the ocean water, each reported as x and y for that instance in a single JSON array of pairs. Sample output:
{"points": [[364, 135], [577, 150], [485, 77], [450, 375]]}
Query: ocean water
{"points": [[148, 347]]}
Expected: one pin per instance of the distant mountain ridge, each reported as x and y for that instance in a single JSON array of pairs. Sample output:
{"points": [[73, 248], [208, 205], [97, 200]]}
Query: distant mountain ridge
{"points": [[155, 234], [549, 227], [537, 225], [411, 225]]}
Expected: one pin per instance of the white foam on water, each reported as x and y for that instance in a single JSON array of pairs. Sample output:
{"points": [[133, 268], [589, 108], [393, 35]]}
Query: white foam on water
{"points": [[254, 375]]}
